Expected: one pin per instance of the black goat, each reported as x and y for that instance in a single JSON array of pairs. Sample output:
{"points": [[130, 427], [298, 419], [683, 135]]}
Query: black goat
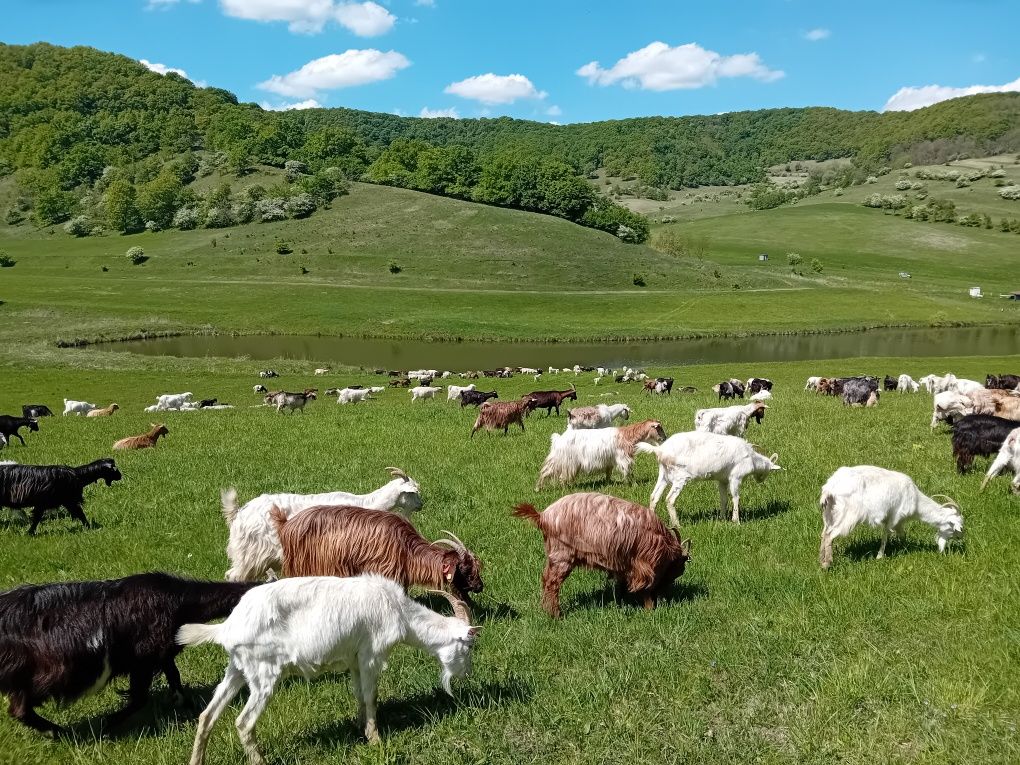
{"points": [[36, 410], [759, 384], [47, 487], [475, 397], [890, 383], [1002, 382], [206, 402], [728, 390], [10, 425], [979, 435], [61, 641]]}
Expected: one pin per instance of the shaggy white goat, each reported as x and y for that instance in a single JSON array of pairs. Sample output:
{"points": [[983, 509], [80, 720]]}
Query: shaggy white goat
{"points": [[254, 548], [352, 395], [935, 384], [966, 387], [453, 391], [727, 420], [423, 392], [77, 407], [699, 456], [595, 451], [169, 401], [880, 497], [762, 395], [948, 404], [599, 416], [906, 384], [310, 625], [1008, 456]]}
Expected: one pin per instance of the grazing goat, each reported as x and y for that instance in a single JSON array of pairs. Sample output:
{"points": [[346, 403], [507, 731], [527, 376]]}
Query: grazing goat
{"points": [[47, 487], [935, 384], [423, 392], [260, 388], [254, 547], [77, 407], [948, 405], [310, 625], [729, 420], [699, 456], [294, 402], [812, 383], [1008, 456], [998, 402], [728, 390], [267, 373], [10, 425], [757, 384], [65, 640], [454, 391], [596, 451], [144, 441], [889, 383], [475, 397], [599, 416], [762, 395], [1003, 382], [347, 541], [35, 410], [106, 411], [609, 534], [550, 399], [880, 497], [979, 435], [353, 395], [906, 384], [496, 415], [859, 392]]}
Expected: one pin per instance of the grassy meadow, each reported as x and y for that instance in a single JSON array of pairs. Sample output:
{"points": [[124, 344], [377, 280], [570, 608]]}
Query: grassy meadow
{"points": [[756, 655]]}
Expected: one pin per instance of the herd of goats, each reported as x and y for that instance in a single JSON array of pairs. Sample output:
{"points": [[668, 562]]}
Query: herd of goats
{"points": [[319, 582]]}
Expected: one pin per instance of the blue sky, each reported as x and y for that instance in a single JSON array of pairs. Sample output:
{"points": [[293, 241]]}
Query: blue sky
{"points": [[563, 61]]}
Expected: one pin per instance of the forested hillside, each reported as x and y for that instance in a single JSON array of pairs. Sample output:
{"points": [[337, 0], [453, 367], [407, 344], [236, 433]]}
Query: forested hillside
{"points": [[97, 136]]}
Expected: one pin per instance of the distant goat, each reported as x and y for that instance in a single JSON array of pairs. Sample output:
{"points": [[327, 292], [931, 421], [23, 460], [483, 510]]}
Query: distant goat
{"points": [[475, 397], [757, 384], [353, 395], [729, 420], [549, 399], [77, 407], [144, 441], [602, 450], [880, 497], [10, 425], [454, 391], [423, 392], [500, 415], [35, 410], [106, 411], [728, 390], [599, 416], [293, 402], [906, 384], [605, 533]]}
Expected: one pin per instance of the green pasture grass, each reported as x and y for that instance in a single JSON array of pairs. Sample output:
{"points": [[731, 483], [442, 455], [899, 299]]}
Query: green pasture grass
{"points": [[755, 656]]}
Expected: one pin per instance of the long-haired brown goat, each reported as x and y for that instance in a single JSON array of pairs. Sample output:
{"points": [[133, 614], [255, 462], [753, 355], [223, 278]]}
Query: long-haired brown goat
{"points": [[144, 441], [622, 538], [348, 541], [496, 415]]}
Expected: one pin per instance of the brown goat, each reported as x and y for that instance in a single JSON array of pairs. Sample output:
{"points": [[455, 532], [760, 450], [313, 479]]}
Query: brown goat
{"points": [[550, 399], [493, 415], [622, 538], [104, 412], [348, 541], [144, 441], [999, 403]]}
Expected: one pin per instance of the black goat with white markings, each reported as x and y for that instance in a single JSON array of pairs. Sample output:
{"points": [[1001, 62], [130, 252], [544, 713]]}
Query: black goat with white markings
{"points": [[10, 425], [47, 487]]}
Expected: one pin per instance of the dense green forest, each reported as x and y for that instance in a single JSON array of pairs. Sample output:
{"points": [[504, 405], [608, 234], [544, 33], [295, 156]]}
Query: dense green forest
{"points": [[96, 138]]}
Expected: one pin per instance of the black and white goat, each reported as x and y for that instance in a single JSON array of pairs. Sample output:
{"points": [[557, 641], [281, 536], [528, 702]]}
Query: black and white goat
{"points": [[47, 487], [10, 425]]}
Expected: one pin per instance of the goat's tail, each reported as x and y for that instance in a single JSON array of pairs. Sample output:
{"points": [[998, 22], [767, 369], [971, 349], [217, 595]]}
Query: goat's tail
{"points": [[646, 448], [828, 503], [193, 634], [278, 518], [528, 512], [228, 501]]}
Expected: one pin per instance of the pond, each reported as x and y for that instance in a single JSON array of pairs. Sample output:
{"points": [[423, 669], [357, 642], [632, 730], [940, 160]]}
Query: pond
{"points": [[413, 354]]}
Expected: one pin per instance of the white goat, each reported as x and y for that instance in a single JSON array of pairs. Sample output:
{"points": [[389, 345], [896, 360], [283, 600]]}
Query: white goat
{"points": [[528, 371], [423, 392], [169, 401], [597, 380], [728, 420], [812, 383], [935, 384], [966, 387], [880, 497], [254, 548], [77, 407], [699, 456], [948, 404], [596, 451], [599, 416], [376, 389], [906, 384], [762, 395], [453, 391], [352, 395], [322, 371], [1009, 455], [310, 625]]}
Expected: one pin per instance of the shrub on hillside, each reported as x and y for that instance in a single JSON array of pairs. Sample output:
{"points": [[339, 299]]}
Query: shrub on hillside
{"points": [[13, 216], [300, 206], [816, 265], [283, 248], [136, 255], [6, 261], [269, 210], [218, 217], [1010, 192], [794, 259], [186, 218], [79, 225], [903, 184], [243, 211], [294, 169], [152, 227]]}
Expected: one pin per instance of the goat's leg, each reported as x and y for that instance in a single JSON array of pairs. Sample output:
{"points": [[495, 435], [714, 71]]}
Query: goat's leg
{"points": [[74, 508], [885, 539], [735, 494], [660, 486], [356, 690], [22, 710], [229, 686], [825, 551], [17, 435], [259, 695], [674, 492], [552, 579], [138, 694], [37, 516], [369, 689], [724, 498], [173, 680]]}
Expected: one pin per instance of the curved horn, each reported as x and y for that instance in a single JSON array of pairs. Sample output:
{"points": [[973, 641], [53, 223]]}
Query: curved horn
{"points": [[396, 472], [453, 541], [774, 459], [984, 483], [949, 501], [460, 608]]}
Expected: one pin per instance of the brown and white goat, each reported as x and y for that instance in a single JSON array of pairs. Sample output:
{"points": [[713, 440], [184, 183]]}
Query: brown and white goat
{"points": [[348, 541], [999, 403], [500, 415], [622, 538], [106, 411], [601, 450], [144, 441]]}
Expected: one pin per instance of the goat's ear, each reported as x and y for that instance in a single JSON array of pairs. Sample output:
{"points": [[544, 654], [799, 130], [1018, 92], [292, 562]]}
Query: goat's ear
{"points": [[448, 572]]}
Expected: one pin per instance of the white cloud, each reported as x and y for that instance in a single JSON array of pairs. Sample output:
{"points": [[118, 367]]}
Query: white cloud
{"points": [[339, 70], [908, 99], [659, 67], [495, 89], [554, 111], [814, 35], [163, 5], [308, 103], [435, 113], [365, 19], [164, 69]]}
